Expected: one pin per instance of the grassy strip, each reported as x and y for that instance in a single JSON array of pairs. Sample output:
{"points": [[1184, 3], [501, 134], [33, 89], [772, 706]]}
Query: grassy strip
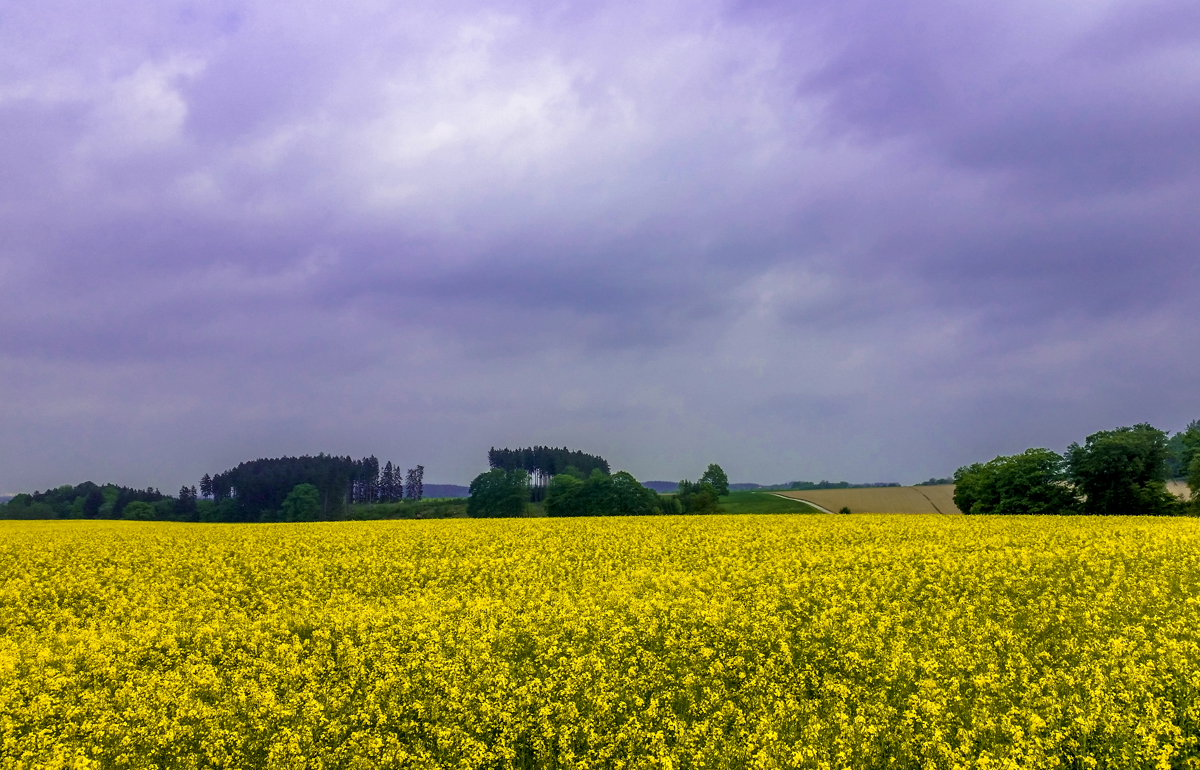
{"points": [[762, 502]]}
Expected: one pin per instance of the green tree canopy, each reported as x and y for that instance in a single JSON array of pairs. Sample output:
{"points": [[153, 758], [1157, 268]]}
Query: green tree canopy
{"points": [[139, 511], [498, 493], [259, 487], [1032, 482], [1181, 449], [716, 477], [86, 501], [548, 460], [1122, 472], [600, 495], [698, 497], [1193, 481], [303, 503]]}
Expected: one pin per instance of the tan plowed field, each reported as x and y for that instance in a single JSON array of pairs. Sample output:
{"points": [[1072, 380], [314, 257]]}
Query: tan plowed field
{"points": [[939, 499]]}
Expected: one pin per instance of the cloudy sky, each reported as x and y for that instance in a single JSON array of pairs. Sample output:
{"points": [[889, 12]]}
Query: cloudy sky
{"points": [[827, 239]]}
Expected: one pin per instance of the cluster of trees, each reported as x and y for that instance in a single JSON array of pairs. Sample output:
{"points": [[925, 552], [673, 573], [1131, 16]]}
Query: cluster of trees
{"points": [[599, 494], [281, 489], [703, 496], [307, 488], [500, 492], [1120, 472], [572, 492], [1181, 451], [101, 501], [542, 463]]}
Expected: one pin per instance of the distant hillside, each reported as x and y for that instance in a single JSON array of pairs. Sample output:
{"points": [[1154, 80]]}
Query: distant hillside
{"points": [[4, 499], [671, 487], [446, 490]]}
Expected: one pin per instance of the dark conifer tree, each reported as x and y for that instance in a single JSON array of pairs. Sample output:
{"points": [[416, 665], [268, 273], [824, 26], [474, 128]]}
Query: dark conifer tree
{"points": [[92, 503], [414, 487], [387, 484]]}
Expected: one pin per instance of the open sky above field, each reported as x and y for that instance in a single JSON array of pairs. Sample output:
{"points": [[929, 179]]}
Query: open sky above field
{"points": [[851, 239]]}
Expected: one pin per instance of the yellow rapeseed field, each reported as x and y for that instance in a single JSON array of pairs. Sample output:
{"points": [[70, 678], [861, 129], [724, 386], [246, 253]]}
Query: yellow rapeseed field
{"points": [[706, 642]]}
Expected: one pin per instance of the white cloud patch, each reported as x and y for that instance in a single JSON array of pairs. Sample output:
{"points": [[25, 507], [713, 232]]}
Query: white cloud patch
{"points": [[141, 112]]}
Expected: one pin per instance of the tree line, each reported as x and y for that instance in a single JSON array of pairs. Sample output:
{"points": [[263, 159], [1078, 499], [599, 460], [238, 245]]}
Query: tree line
{"points": [[303, 488], [95, 501], [307, 488], [1120, 471], [1123, 471], [507, 491]]}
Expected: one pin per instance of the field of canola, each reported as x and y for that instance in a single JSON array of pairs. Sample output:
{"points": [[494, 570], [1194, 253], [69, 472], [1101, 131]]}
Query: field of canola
{"points": [[707, 642]]}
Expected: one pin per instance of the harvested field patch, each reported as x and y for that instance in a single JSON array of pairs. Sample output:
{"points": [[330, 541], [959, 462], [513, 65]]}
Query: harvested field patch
{"points": [[936, 499], [933, 499]]}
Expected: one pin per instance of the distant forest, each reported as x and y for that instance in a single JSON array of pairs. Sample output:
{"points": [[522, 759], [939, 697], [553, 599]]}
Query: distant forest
{"points": [[266, 489], [305, 488]]}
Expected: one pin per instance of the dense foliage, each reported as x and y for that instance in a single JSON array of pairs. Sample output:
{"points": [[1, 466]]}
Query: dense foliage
{"points": [[715, 477], [1182, 448], [92, 501], [600, 495], [698, 497], [703, 496], [547, 460], [1033, 482], [1122, 471], [543, 463], [257, 490], [303, 503], [498, 493], [662, 642], [1114, 472]]}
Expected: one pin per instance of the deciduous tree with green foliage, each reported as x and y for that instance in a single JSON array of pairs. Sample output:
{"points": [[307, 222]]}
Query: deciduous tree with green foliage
{"points": [[1123, 472], [303, 503], [715, 477], [139, 511], [600, 495], [1032, 482], [498, 493], [1182, 449]]}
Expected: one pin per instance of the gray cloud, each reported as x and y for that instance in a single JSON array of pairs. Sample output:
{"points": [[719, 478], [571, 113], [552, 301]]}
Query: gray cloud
{"points": [[822, 239]]}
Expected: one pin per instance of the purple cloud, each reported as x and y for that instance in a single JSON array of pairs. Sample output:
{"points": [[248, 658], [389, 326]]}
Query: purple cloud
{"points": [[803, 240]]}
